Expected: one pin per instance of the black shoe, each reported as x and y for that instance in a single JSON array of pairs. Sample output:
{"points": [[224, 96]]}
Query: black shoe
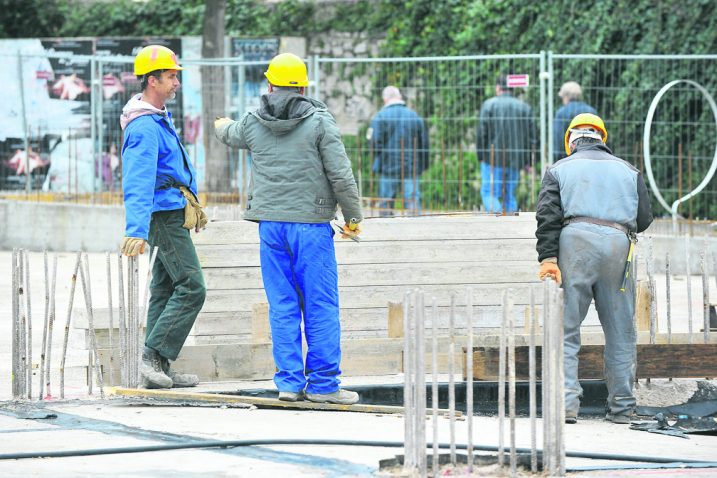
{"points": [[151, 370]]}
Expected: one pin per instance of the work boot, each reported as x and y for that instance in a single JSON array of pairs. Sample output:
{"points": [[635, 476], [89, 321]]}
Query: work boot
{"points": [[150, 370], [341, 397], [291, 396], [621, 419], [571, 417], [179, 379]]}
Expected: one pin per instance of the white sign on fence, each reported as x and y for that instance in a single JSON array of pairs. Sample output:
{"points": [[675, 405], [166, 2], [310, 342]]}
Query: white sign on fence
{"points": [[517, 81]]}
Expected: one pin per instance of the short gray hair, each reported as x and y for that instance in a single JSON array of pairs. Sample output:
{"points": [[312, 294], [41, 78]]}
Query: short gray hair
{"points": [[570, 90], [391, 93]]}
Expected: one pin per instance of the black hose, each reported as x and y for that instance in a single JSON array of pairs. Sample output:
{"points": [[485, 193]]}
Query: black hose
{"points": [[368, 443]]}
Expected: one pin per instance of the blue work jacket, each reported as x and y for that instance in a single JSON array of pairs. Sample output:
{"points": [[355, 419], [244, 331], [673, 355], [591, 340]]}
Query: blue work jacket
{"points": [[154, 165]]}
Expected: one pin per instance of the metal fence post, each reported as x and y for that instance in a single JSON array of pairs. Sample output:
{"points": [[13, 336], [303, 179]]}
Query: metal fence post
{"points": [[316, 75], [93, 117], [543, 128], [550, 108], [100, 125], [28, 176]]}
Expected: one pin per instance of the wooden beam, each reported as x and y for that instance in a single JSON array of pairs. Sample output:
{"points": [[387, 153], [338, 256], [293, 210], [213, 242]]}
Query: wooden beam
{"points": [[642, 306], [260, 330], [653, 361], [395, 320]]}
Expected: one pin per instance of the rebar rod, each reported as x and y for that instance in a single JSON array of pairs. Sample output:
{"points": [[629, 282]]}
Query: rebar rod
{"points": [[85, 277], [547, 393], [15, 376], [131, 342], [122, 323], [705, 295], [23, 326], [650, 263], [29, 326], [560, 393], [532, 327], [668, 280], [688, 272], [469, 376], [407, 388], [50, 325], [420, 415], [501, 381], [110, 378], [511, 383], [451, 379], [434, 385], [43, 352], [73, 283]]}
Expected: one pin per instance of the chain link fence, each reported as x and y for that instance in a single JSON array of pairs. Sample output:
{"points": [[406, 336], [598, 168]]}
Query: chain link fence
{"points": [[63, 125]]}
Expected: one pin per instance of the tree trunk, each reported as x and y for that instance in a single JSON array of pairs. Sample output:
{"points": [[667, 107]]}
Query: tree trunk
{"points": [[218, 178]]}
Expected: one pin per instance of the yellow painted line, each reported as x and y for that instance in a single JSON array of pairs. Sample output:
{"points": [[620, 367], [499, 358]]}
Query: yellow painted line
{"points": [[257, 401]]}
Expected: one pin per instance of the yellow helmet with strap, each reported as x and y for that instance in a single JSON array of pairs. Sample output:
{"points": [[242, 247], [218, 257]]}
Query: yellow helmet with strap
{"points": [[155, 57], [585, 120]]}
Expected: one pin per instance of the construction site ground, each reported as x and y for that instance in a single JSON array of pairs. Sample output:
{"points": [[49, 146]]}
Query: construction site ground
{"points": [[84, 422]]}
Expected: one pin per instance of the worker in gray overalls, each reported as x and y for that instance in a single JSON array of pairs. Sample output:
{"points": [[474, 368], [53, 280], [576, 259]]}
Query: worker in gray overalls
{"points": [[590, 207]]}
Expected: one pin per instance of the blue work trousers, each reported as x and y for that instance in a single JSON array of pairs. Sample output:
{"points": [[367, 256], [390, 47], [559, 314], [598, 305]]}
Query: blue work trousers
{"points": [[298, 267], [498, 190], [388, 191]]}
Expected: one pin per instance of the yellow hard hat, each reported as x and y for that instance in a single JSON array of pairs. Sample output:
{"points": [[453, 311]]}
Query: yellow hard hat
{"points": [[287, 69], [155, 57], [585, 119]]}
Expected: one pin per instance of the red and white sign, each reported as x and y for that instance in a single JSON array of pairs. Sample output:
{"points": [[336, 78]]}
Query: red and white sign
{"points": [[517, 81]]}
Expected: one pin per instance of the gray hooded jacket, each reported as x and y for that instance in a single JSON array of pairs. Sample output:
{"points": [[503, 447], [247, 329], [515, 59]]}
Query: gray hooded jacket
{"points": [[300, 170]]}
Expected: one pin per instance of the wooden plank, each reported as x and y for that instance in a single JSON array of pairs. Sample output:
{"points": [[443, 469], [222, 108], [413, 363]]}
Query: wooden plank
{"points": [[409, 274], [380, 252], [260, 330], [435, 228], [642, 306], [653, 361], [395, 320]]}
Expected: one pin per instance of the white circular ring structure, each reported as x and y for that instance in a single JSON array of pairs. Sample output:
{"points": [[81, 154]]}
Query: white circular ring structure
{"points": [[646, 146]]}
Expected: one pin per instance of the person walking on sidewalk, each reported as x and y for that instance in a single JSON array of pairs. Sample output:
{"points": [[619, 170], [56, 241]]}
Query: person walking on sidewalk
{"points": [[591, 205], [300, 172], [161, 207]]}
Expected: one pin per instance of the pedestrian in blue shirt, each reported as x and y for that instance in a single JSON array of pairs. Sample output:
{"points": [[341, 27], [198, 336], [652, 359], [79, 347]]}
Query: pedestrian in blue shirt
{"points": [[161, 207]]}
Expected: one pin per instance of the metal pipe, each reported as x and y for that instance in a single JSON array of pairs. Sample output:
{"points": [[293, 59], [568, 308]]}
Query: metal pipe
{"points": [[122, 323], [469, 376], [112, 324], [434, 385], [688, 272], [667, 292], [85, 277], [67, 324], [501, 382], [532, 327], [511, 384], [50, 326], [29, 327], [451, 380]]}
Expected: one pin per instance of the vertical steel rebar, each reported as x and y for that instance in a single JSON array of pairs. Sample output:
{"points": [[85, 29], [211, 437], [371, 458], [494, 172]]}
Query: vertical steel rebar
{"points": [[110, 378], [122, 323], [668, 280], [469, 376], [420, 382], [14, 378], [67, 324], [85, 277], [407, 385], [560, 393], [650, 263], [29, 326], [434, 385], [532, 327], [546, 381], [43, 352], [511, 383], [451, 379], [501, 381], [23, 326], [50, 325], [705, 295], [688, 273]]}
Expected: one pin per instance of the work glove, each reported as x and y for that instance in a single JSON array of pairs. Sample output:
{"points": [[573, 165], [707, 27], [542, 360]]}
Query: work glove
{"points": [[131, 246], [194, 216], [351, 230], [219, 122], [549, 268]]}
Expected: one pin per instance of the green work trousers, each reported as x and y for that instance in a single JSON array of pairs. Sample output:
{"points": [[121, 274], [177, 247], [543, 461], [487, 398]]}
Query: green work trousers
{"points": [[177, 288]]}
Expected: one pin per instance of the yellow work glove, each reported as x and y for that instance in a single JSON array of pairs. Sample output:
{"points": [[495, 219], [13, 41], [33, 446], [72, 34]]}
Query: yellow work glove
{"points": [[351, 230], [549, 268], [131, 246], [219, 122], [194, 216]]}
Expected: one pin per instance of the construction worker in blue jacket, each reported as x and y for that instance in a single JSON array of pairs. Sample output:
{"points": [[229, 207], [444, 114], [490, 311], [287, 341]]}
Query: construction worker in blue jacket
{"points": [[300, 173], [591, 205], [161, 207]]}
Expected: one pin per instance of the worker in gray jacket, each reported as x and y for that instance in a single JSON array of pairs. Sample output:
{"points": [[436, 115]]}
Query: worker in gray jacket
{"points": [[300, 172], [590, 207]]}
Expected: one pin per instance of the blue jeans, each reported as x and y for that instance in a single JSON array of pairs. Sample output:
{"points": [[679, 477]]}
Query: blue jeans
{"points": [[298, 267], [504, 180], [388, 189]]}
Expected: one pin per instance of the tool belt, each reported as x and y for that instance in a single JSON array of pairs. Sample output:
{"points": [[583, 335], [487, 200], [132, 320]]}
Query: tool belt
{"points": [[601, 222]]}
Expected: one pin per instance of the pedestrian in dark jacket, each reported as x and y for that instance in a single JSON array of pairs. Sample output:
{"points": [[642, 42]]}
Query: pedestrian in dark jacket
{"points": [[160, 200], [399, 141], [570, 93], [590, 207], [300, 172], [505, 141]]}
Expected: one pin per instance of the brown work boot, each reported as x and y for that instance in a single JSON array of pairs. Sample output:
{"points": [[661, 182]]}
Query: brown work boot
{"points": [[150, 370], [179, 379]]}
